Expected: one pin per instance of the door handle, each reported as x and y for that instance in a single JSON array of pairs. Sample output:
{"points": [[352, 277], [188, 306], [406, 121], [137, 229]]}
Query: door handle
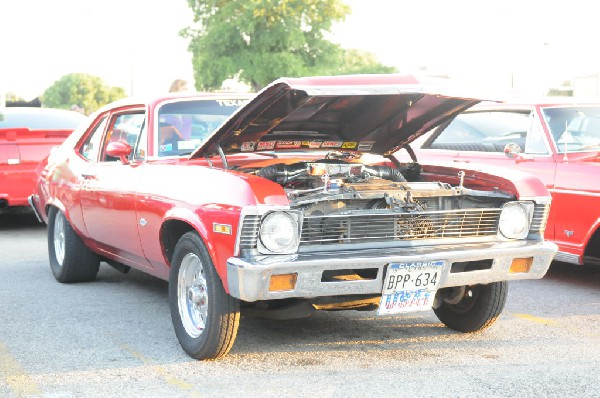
{"points": [[88, 176]]}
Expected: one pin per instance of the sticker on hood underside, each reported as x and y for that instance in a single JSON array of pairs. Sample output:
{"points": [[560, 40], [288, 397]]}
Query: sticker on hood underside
{"points": [[332, 144], [266, 145], [288, 144], [248, 146], [365, 145], [312, 144]]}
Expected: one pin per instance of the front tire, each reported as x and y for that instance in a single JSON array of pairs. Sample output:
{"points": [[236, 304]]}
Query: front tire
{"points": [[470, 309], [205, 318], [70, 260]]}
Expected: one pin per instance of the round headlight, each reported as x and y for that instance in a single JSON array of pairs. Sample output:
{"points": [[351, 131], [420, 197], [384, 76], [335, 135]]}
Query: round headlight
{"points": [[514, 221], [279, 232]]}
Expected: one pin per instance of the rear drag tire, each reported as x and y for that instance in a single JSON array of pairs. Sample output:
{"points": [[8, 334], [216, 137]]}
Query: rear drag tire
{"points": [[70, 260]]}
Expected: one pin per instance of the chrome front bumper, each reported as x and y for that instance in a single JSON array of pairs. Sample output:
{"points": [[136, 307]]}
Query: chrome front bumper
{"points": [[248, 279]]}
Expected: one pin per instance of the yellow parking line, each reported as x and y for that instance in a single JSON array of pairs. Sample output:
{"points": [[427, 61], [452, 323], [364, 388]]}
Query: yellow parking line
{"points": [[549, 322], [15, 376], [536, 319], [169, 378]]}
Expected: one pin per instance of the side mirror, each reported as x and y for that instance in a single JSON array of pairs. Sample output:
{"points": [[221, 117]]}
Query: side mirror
{"points": [[514, 151], [119, 150]]}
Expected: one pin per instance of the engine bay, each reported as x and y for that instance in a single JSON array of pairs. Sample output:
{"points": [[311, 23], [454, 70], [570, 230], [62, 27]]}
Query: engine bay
{"points": [[329, 186]]}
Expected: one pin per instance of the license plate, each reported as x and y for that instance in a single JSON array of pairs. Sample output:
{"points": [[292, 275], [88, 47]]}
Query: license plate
{"points": [[410, 286]]}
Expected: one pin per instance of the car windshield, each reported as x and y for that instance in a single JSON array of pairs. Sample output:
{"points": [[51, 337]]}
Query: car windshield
{"points": [[574, 129], [184, 125]]}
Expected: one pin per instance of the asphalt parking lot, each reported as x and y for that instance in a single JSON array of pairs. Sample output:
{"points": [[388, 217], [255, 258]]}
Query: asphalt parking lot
{"points": [[113, 337]]}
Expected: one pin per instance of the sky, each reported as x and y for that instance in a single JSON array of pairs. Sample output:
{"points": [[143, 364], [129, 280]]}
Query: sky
{"points": [[526, 45]]}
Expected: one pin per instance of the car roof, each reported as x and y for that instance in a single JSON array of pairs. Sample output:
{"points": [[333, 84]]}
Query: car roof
{"points": [[157, 99], [538, 102], [35, 118]]}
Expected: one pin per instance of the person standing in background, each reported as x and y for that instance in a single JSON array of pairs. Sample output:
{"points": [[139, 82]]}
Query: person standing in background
{"points": [[181, 123], [178, 85]]}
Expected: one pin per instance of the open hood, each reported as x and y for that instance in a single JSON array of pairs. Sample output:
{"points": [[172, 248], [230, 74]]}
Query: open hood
{"points": [[371, 113]]}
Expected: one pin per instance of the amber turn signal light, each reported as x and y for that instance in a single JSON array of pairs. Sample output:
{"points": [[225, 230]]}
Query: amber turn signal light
{"points": [[283, 282], [521, 265]]}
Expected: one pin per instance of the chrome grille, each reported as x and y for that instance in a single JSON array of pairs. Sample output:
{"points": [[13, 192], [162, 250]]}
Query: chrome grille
{"points": [[388, 226], [249, 232], [540, 217]]}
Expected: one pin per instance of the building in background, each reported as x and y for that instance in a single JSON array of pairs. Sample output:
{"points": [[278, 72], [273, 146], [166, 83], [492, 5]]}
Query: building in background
{"points": [[587, 86]]}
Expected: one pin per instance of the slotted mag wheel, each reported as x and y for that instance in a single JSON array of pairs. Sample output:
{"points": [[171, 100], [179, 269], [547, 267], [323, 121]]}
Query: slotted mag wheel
{"points": [[59, 238], [192, 295]]}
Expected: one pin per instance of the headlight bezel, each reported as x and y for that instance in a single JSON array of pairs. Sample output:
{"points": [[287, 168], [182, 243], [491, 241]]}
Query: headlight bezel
{"points": [[510, 210], [267, 246]]}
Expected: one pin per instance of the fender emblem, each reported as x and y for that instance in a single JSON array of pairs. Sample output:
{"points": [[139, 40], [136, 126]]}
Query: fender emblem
{"points": [[143, 222], [568, 233]]}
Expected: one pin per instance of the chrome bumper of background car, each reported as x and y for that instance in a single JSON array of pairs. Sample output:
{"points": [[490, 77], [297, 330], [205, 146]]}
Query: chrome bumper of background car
{"points": [[568, 258], [249, 279]]}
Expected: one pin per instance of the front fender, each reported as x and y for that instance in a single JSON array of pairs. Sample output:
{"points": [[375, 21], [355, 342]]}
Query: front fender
{"points": [[188, 217], [216, 226]]}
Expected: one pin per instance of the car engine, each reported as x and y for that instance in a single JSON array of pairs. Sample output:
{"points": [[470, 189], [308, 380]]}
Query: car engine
{"points": [[335, 186]]}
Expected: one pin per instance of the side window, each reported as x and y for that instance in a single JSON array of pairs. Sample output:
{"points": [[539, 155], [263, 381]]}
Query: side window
{"points": [[484, 131], [91, 146], [141, 146], [536, 143], [574, 129], [126, 128], [460, 130]]}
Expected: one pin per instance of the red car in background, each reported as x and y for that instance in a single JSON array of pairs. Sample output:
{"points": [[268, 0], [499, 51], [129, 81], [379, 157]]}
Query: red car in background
{"points": [[556, 139], [26, 136], [289, 204]]}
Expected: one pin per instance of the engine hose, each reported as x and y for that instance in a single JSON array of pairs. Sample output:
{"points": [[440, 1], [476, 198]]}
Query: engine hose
{"points": [[385, 172], [282, 173]]}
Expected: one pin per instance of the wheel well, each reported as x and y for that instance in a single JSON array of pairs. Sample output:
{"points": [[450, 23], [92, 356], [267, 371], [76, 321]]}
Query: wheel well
{"points": [[593, 247], [170, 233]]}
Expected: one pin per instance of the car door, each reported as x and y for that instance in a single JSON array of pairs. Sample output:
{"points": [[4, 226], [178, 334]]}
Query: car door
{"points": [[574, 130], [108, 194]]}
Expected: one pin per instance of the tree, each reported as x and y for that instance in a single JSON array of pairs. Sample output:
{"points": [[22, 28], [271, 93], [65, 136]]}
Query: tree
{"points": [[86, 91], [13, 97], [358, 61], [261, 40]]}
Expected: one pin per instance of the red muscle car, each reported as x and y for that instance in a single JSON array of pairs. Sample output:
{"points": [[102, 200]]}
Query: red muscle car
{"points": [[556, 139], [290, 204], [26, 137]]}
